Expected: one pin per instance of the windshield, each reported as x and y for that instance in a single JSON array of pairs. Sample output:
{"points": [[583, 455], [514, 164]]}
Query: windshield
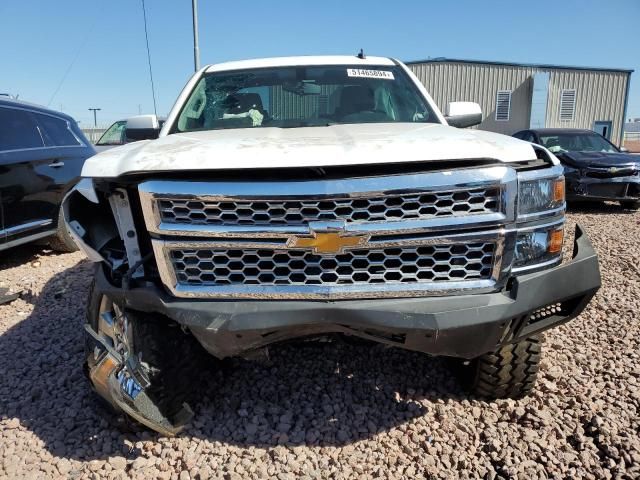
{"points": [[114, 134], [577, 142], [287, 97]]}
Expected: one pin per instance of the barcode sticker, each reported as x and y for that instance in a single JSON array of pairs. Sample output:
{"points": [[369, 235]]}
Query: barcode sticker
{"points": [[362, 73]]}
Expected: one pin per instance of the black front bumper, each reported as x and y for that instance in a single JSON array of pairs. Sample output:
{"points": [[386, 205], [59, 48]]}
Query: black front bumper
{"points": [[460, 326], [614, 188]]}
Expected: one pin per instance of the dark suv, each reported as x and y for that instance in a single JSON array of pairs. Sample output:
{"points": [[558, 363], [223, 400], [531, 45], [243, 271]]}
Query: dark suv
{"points": [[41, 155]]}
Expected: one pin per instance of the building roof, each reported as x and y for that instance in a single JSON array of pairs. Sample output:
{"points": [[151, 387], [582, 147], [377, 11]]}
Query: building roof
{"points": [[514, 64]]}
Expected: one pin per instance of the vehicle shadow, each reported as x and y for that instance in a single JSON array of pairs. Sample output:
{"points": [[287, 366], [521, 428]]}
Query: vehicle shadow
{"points": [[308, 393], [598, 208], [16, 256]]}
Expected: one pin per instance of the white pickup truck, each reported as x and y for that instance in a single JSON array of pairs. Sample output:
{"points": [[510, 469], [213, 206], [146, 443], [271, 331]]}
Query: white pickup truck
{"points": [[320, 196]]}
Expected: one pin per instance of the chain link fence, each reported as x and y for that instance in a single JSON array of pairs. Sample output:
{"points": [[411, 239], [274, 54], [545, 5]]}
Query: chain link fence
{"points": [[631, 141], [94, 133]]}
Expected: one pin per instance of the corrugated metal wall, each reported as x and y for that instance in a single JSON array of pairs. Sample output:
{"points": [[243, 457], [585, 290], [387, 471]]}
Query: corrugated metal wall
{"points": [[600, 95], [465, 82]]}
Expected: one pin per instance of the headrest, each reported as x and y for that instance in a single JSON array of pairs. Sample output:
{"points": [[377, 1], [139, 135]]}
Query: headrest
{"points": [[243, 102]]}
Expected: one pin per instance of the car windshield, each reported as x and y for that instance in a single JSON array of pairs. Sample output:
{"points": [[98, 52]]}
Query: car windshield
{"points": [[114, 134], [314, 96], [577, 142]]}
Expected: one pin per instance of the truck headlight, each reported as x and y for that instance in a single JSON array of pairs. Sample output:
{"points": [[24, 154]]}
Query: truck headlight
{"points": [[536, 196], [539, 246]]}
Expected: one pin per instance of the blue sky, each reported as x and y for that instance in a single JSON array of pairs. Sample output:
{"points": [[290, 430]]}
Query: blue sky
{"points": [[100, 45]]}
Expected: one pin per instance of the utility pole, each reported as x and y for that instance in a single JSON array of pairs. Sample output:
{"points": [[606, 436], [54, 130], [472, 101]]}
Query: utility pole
{"points": [[95, 121], [196, 49]]}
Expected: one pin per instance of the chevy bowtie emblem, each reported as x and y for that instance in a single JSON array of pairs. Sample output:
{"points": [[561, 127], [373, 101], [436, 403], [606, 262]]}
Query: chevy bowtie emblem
{"points": [[613, 170], [328, 242]]}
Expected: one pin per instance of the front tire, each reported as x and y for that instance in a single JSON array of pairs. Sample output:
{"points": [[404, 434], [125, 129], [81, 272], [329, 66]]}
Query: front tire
{"points": [[630, 204], [509, 372], [172, 361], [62, 241]]}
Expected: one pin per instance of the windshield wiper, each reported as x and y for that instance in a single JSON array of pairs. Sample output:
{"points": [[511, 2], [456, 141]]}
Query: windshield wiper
{"points": [[308, 124]]}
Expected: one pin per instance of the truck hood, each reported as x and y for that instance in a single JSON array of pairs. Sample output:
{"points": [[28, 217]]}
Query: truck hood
{"points": [[306, 147]]}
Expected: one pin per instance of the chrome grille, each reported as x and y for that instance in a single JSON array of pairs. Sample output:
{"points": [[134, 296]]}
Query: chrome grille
{"points": [[426, 263], [285, 211], [430, 233]]}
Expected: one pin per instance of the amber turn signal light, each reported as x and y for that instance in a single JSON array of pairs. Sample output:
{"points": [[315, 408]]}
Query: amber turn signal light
{"points": [[556, 238], [558, 191]]}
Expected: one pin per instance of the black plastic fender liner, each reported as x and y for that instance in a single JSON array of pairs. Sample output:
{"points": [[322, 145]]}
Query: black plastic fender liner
{"points": [[89, 221], [465, 325]]}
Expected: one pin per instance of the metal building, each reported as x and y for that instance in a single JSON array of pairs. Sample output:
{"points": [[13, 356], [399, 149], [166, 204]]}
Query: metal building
{"points": [[517, 96]]}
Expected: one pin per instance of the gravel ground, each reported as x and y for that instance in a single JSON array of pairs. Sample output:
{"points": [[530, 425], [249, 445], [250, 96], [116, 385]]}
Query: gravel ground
{"points": [[330, 409]]}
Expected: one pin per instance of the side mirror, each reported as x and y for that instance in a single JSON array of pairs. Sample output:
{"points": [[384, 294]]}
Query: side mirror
{"points": [[142, 127], [463, 114]]}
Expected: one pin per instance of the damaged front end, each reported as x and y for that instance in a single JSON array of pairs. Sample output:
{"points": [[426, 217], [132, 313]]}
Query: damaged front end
{"points": [[138, 363], [101, 223], [619, 183], [120, 376]]}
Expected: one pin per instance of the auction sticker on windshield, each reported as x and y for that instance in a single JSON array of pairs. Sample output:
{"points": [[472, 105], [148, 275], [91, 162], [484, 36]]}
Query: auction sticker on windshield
{"points": [[362, 73]]}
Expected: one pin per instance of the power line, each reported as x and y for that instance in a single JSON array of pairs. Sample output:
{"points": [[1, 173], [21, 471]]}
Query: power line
{"points": [[146, 36], [84, 42]]}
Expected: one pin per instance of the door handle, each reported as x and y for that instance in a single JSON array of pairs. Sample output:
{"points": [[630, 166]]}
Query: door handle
{"points": [[56, 164]]}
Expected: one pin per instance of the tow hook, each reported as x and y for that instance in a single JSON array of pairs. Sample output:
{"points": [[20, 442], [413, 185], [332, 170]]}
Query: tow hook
{"points": [[123, 383]]}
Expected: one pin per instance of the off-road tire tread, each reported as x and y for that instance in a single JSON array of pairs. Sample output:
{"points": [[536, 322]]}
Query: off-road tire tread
{"points": [[174, 362], [509, 372]]}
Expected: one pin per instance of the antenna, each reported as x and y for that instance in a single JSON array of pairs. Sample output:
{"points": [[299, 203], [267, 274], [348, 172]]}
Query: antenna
{"points": [[361, 55]]}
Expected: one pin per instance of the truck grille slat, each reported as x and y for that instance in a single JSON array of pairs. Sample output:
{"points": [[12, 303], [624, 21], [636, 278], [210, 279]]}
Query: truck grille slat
{"points": [[426, 263], [375, 208]]}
